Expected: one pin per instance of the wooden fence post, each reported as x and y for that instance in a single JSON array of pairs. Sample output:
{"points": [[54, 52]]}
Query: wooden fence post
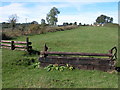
{"points": [[45, 50], [29, 48], [12, 45], [27, 45]]}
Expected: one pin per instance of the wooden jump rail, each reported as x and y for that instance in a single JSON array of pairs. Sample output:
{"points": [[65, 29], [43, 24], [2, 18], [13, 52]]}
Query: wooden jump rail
{"points": [[91, 61], [24, 46]]}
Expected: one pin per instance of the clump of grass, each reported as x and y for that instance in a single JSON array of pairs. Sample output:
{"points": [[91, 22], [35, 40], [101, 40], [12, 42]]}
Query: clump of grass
{"points": [[25, 61]]}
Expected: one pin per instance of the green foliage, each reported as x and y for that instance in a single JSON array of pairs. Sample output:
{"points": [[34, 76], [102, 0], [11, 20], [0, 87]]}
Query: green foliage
{"points": [[34, 22], [52, 16], [75, 23], [36, 65], [43, 22], [52, 67], [26, 61], [33, 29], [104, 19]]}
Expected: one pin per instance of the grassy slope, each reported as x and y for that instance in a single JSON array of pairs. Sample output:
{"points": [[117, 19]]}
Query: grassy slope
{"points": [[83, 39]]}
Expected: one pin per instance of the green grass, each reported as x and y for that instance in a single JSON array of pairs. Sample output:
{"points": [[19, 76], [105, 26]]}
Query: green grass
{"points": [[82, 39]]}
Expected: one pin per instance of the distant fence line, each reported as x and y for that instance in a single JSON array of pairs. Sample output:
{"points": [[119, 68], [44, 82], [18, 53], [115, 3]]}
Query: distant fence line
{"points": [[17, 45]]}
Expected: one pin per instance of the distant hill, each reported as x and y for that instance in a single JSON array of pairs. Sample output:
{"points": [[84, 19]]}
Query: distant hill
{"points": [[111, 24]]}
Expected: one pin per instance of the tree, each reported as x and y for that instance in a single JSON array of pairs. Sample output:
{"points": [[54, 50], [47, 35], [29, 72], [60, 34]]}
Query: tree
{"points": [[70, 23], [75, 23], [12, 20], [52, 16], [102, 19], [80, 24], [43, 22], [111, 20], [65, 23], [34, 22]]}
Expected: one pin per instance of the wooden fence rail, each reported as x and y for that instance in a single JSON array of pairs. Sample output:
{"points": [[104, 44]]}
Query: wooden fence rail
{"points": [[22, 45], [76, 53], [97, 61]]}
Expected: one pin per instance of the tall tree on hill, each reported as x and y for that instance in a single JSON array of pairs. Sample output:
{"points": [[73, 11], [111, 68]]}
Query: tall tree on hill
{"points": [[12, 20], [111, 20], [52, 16], [34, 22], [102, 19], [43, 22], [75, 23]]}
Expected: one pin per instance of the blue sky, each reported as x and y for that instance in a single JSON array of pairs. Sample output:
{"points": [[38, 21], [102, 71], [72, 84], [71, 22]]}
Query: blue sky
{"points": [[70, 11]]}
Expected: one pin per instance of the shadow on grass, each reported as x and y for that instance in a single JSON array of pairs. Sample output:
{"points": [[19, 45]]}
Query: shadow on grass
{"points": [[34, 52]]}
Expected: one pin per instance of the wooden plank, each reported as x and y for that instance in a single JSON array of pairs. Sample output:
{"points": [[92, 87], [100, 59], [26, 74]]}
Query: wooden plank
{"points": [[5, 41], [90, 67], [74, 61], [20, 46], [102, 67], [15, 48], [7, 45], [77, 58], [20, 42], [84, 67], [76, 53]]}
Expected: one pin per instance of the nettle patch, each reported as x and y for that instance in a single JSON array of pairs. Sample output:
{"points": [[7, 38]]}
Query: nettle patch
{"points": [[31, 62], [52, 67]]}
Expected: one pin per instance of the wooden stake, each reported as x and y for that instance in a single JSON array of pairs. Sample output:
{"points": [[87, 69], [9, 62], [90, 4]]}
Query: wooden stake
{"points": [[12, 45]]}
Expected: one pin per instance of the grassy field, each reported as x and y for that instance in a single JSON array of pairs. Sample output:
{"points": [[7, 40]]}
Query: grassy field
{"points": [[82, 39]]}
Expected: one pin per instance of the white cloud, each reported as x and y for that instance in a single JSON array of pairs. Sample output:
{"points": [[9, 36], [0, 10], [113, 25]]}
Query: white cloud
{"points": [[77, 18], [87, 18], [39, 12], [23, 12], [14, 8]]}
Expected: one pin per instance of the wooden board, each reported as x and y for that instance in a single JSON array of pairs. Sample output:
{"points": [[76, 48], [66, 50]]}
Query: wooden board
{"points": [[5, 41], [7, 45], [77, 53], [20, 46], [20, 42]]}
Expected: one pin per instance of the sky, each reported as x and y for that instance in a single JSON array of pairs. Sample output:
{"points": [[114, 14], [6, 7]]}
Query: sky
{"points": [[70, 10]]}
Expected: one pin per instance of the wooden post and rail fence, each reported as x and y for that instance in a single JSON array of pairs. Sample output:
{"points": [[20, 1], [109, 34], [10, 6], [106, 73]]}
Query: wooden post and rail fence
{"points": [[17, 45], [90, 61]]}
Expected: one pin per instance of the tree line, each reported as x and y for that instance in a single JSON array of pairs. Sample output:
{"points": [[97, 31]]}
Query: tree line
{"points": [[52, 19]]}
